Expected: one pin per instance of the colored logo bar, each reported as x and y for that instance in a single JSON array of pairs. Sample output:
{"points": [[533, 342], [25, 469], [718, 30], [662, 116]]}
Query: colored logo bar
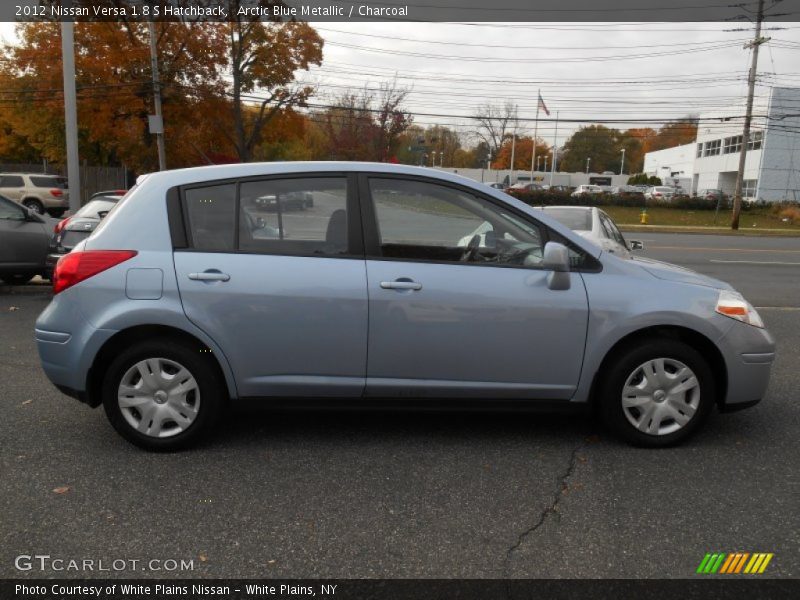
{"points": [[734, 563]]}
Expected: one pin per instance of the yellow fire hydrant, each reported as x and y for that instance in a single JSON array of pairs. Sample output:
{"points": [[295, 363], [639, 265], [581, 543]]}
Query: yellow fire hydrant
{"points": [[643, 219]]}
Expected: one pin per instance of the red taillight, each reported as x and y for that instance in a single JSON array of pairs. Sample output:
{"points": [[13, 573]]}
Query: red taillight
{"points": [[74, 267], [56, 192], [657, 194], [120, 192], [60, 225]]}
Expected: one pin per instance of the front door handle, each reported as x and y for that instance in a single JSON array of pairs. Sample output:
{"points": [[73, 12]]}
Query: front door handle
{"points": [[210, 276], [401, 284]]}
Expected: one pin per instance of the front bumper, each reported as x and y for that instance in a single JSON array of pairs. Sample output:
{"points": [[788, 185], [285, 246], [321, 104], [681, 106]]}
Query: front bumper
{"points": [[749, 353]]}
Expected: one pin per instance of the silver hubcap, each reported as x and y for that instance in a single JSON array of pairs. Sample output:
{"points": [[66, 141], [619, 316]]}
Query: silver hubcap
{"points": [[159, 397], [661, 396]]}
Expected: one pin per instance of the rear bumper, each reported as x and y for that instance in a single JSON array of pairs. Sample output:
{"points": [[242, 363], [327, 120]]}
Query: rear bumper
{"points": [[67, 345]]}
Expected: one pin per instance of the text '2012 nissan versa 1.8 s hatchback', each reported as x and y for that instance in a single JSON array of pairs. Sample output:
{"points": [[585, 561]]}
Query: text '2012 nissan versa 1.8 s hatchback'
{"points": [[194, 291]]}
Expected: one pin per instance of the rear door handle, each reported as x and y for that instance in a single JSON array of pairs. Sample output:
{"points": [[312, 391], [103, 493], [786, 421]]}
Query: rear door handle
{"points": [[401, 284], [210, 276]]}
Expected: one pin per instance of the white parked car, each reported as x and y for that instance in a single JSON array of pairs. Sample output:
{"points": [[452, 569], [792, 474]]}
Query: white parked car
{"points": [[585, 190], [595, 225], [660, 192]]}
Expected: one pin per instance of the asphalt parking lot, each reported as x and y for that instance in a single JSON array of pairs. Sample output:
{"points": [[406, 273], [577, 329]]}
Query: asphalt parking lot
{"points": [[412, 495]]}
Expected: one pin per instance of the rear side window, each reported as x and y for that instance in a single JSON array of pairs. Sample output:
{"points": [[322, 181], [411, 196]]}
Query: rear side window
{"points": [[11, 181], [298, 217], [48, 182], [211, 214]]}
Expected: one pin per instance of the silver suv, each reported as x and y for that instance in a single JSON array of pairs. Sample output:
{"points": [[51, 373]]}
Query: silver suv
{"points": [[39, 192], [192, 292]]}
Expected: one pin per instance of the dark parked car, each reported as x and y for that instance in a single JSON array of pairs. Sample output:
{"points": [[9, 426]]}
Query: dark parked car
{"points": [[288, 201], [23, 243], [77, 228]]}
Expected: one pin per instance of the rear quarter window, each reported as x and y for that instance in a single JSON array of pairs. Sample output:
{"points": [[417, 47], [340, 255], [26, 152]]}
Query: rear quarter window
{"points": [[211, 211]]}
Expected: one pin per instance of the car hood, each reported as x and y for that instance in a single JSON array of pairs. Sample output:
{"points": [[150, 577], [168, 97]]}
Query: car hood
{"points": [[670, 272]]}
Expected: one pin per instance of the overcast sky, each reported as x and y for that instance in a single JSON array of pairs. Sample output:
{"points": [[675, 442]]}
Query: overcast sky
{"points": [[595, 71]]}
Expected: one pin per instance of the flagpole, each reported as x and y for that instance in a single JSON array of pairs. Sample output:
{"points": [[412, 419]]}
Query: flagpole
{"points": [[555, 152], [535, 132]]}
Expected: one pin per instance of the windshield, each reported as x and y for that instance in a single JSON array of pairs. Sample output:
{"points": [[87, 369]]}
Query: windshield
{"points": [[93, 209], [576, 219]]}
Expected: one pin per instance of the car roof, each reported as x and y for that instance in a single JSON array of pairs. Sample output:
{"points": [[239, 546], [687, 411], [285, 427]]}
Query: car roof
{"points": [[31, 174]]}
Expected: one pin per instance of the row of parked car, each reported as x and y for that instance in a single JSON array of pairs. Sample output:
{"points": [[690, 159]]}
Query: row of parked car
{"points": [[658, 192], [30, 242]]}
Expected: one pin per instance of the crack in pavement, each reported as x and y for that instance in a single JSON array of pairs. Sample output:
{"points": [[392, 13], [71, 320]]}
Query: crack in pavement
{"points": [[550, 509]]}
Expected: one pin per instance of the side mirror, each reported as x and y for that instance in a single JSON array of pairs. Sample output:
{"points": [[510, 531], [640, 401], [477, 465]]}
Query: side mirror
{"points": [[556, 259], [635, 245]]}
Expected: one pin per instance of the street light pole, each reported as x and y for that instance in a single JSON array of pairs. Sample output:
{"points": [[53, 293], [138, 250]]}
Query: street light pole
{"points": [[622, 164], [157, 123], [588, 160]]}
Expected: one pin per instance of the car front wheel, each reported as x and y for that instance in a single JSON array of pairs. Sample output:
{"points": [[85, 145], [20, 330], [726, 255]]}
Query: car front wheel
{"points": [[163, 394], [657, 393]]}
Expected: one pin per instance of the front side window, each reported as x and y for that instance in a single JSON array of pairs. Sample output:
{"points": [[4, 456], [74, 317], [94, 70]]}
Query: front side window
{"points": [[299, 217], [613, 232], [417, 220]]}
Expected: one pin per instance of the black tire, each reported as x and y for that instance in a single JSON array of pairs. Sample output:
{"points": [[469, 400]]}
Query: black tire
{"points": [[623, 365], [34, 204], [18, 278], [200, 364]]}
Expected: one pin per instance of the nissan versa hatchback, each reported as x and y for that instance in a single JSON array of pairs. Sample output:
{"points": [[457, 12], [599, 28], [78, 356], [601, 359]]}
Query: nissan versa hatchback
{"points": [[194, 292]]}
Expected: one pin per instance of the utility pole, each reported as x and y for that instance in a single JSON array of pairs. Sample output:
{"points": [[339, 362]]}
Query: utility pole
{"points": [[622, 164], [157, 120], [588, 161], [748, 116], [71, 111], [555, 153]]}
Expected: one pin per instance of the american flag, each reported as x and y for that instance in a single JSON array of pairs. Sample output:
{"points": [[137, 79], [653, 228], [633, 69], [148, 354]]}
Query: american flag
{"points": [[543, 106]]}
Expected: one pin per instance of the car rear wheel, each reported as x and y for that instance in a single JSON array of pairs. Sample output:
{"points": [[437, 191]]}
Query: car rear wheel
{"points": [[657, 393], [34, 205], [163, 394]]}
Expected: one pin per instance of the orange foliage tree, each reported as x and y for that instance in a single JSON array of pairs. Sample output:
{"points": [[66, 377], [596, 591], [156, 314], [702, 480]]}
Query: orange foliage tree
{"points": [[522, 153]]}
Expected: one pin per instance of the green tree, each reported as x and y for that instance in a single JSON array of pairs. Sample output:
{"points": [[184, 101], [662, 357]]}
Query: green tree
{"points": [[600, 144]]}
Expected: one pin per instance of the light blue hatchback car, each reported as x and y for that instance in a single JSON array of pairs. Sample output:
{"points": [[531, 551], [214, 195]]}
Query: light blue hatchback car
{"points": [[195, 291]]}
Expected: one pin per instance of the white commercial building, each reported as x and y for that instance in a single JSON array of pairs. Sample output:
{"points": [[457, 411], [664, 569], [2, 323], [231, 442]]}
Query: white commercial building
{"points": [[772, 167]]}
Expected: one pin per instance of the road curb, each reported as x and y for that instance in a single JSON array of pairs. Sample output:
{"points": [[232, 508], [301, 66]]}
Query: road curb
{"points": [[636, 228]]}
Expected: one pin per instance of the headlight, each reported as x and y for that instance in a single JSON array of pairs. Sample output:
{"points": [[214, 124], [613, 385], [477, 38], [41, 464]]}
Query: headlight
{"points": [[733, 305]]}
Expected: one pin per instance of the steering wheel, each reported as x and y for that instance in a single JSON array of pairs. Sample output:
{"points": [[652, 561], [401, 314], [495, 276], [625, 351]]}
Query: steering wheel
{"points": [[471, 251]]}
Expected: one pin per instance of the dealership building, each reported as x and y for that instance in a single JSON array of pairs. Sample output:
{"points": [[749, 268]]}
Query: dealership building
{"points": [[772, 167]]}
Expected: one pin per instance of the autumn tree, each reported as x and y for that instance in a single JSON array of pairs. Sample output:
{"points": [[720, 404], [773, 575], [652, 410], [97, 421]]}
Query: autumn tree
{"points": [[495, 121], [263, 58], [674, 134], [361, 125], [114, 89], [522, 153]]}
